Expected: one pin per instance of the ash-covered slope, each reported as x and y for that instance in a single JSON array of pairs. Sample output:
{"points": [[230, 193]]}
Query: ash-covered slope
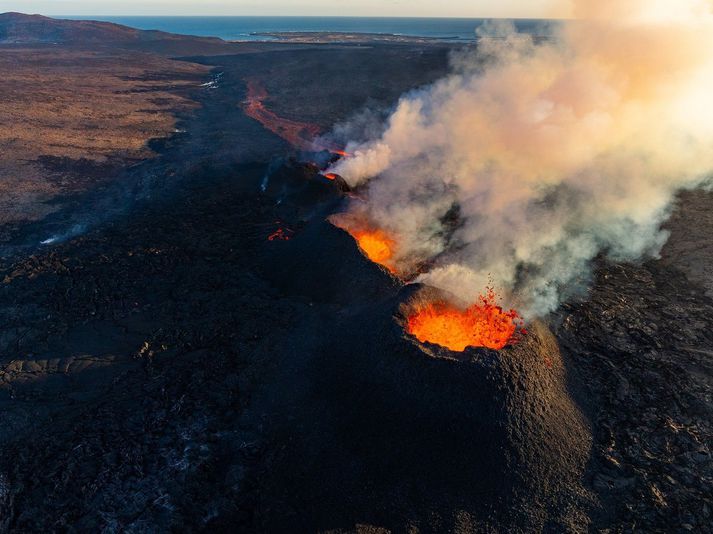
{"points": [[387, 433]]}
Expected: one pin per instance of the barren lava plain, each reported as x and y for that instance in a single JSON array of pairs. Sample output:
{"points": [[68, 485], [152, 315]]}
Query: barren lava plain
{"points": [[165, 366]]}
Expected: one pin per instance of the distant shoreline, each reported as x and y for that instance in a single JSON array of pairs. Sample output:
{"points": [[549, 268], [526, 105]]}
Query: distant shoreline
{"points": [[252, 28], [351, 37]]}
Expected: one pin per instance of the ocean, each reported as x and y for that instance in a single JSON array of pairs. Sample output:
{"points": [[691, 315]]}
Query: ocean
{"points": [[248, 28]]}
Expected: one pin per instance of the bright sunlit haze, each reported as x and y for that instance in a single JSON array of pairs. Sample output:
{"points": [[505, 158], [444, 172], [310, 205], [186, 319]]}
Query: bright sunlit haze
{"points": [[352, 8]]}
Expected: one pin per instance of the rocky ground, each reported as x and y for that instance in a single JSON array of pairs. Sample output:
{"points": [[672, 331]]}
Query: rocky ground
{"points": [[641, 344], [72, 118], [75, 110], [165, 366]]}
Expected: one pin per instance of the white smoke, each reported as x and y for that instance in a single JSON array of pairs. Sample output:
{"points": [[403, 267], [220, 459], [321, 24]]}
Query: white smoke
{"points": [[550, 153]]}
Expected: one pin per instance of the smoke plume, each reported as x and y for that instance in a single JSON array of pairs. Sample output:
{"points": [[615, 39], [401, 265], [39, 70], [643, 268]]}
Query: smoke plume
{"points": [[533, 158]]}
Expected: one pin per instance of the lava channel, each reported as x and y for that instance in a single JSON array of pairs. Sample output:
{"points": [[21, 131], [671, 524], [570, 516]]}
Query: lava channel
{"points": [[301, 135]]}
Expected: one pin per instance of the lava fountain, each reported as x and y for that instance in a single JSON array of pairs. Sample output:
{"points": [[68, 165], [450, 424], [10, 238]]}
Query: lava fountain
{"points": [[484, 324]]}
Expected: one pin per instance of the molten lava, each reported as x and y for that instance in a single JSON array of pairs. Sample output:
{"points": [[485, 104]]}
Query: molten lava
{"points": [[299, 134], [330, 176], [484, 324], [281, 234], [377, 246]]}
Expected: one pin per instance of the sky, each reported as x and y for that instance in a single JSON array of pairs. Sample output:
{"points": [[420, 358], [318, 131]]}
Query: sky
{"points": [[383, 8]]}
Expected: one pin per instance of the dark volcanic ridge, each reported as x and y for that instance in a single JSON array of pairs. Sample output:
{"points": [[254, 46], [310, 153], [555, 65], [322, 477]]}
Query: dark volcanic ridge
{"points": [[19, 28]]}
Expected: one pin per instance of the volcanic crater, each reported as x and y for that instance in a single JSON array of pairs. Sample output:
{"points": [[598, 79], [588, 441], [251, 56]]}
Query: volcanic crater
{"points": [[378, 400]]}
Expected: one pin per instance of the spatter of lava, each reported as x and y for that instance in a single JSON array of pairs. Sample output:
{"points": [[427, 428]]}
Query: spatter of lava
{"points": [[484, 324], [281, 234]]}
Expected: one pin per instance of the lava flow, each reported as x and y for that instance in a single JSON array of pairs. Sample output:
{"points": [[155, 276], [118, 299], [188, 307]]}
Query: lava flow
{"points": [[375, 243], [377, 246], [299, 134], [281, 234], [484, 324]]}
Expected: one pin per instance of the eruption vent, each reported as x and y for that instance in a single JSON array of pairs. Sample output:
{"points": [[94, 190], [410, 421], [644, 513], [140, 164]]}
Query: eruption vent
{"points": [[377, 246], [548, 154], [375, 243], [484, 324]]}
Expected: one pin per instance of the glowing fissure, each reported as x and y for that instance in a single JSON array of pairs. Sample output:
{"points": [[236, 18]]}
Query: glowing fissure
{"points": [[483, 324]]}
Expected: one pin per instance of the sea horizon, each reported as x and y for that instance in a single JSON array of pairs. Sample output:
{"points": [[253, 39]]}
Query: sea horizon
{"points": [[250, 27]]}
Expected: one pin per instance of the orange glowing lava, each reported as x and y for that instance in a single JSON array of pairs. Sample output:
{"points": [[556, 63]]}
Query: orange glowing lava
{"points": [[377, 246], [281, 234], [299, 134], [330, 176], [484, 324]]}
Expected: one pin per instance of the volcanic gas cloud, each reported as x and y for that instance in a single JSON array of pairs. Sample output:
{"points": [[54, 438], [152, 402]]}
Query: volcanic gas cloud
{"points": [[549, 153]]}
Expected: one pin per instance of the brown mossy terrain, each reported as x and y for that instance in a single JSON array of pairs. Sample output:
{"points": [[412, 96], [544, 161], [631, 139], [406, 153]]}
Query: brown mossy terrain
{"points": [[70, 118], [81, 100], [20, 28]]}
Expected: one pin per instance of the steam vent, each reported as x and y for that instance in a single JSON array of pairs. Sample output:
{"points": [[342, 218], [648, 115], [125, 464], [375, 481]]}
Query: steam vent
{"points": [[494, 435]]}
